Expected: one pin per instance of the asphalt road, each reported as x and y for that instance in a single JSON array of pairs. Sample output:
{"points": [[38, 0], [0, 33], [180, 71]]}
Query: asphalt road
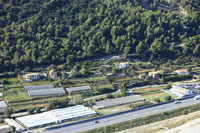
{"points": [[123, 117]]}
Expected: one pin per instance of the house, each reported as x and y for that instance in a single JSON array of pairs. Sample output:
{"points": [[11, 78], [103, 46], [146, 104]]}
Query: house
{"points": [[122, 65], [155, 74], [20, 77], [142, 75], [53, 74], [182, 72], [3, 106], [32, 77]]}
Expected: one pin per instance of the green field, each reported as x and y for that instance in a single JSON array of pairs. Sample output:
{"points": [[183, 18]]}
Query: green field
{"points": [[160, 95]]}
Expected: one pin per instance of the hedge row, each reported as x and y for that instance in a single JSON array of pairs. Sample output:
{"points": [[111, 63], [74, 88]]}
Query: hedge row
{"points": [[145, 120]]}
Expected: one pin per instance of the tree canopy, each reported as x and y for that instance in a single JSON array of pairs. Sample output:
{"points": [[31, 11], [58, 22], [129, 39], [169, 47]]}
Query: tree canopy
{"points": [[65, 31]]}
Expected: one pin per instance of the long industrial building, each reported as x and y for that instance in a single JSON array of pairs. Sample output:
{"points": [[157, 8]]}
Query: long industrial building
{"points": [[117, 101], [55, 116], [37, 87], [46, 92]]}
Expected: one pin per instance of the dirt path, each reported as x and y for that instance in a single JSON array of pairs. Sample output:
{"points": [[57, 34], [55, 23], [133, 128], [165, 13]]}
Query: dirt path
{"points": [[168, 126]]}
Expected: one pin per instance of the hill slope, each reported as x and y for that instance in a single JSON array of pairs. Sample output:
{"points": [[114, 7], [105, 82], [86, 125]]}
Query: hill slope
{"points": [[65, 31]]}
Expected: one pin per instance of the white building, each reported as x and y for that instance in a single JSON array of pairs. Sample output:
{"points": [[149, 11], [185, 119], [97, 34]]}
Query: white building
{"points": [[122, 65], [182, 72], [53, 74], [32, 77]]}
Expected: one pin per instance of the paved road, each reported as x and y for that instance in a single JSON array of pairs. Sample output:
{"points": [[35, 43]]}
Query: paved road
{"points": [[123, 117]]}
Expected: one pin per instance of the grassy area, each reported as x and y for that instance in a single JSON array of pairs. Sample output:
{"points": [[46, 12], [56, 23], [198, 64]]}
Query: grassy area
{"points": [[16, 97], [160, 95], [103, 86], [145, 90]]}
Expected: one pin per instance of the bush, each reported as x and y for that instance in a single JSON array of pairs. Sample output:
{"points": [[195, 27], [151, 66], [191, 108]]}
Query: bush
{"points": [[157, 100], [38, 109], [168, 98], [8, 113], [31, 111]]}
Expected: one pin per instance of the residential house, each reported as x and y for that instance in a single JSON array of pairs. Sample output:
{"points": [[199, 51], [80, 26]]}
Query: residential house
{"points": [[155, 74], [53, 74], [182, 72], [142, 76], [32, 77], [122, 65]]}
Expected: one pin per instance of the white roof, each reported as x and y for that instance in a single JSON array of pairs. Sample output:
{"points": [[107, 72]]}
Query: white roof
{"points": [[35, 120], [69, 113], [56, 115]]}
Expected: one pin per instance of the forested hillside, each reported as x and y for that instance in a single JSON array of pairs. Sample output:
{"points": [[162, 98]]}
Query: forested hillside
{"points": [[64, 31]]}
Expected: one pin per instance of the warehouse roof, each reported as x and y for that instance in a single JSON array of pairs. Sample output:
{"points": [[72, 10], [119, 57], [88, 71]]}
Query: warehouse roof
{"points": [[55, 116], [35, 120], [79, 88], [117, 101], [59, 115], [45, 92], [36, 87]]}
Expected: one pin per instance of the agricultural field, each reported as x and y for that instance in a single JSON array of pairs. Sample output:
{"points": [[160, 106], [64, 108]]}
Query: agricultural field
{"points": [[18, 99], [150, 90]]}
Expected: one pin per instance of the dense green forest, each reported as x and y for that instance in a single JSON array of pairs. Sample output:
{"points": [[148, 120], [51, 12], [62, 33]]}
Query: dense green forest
{"points": [[65, 31]]}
